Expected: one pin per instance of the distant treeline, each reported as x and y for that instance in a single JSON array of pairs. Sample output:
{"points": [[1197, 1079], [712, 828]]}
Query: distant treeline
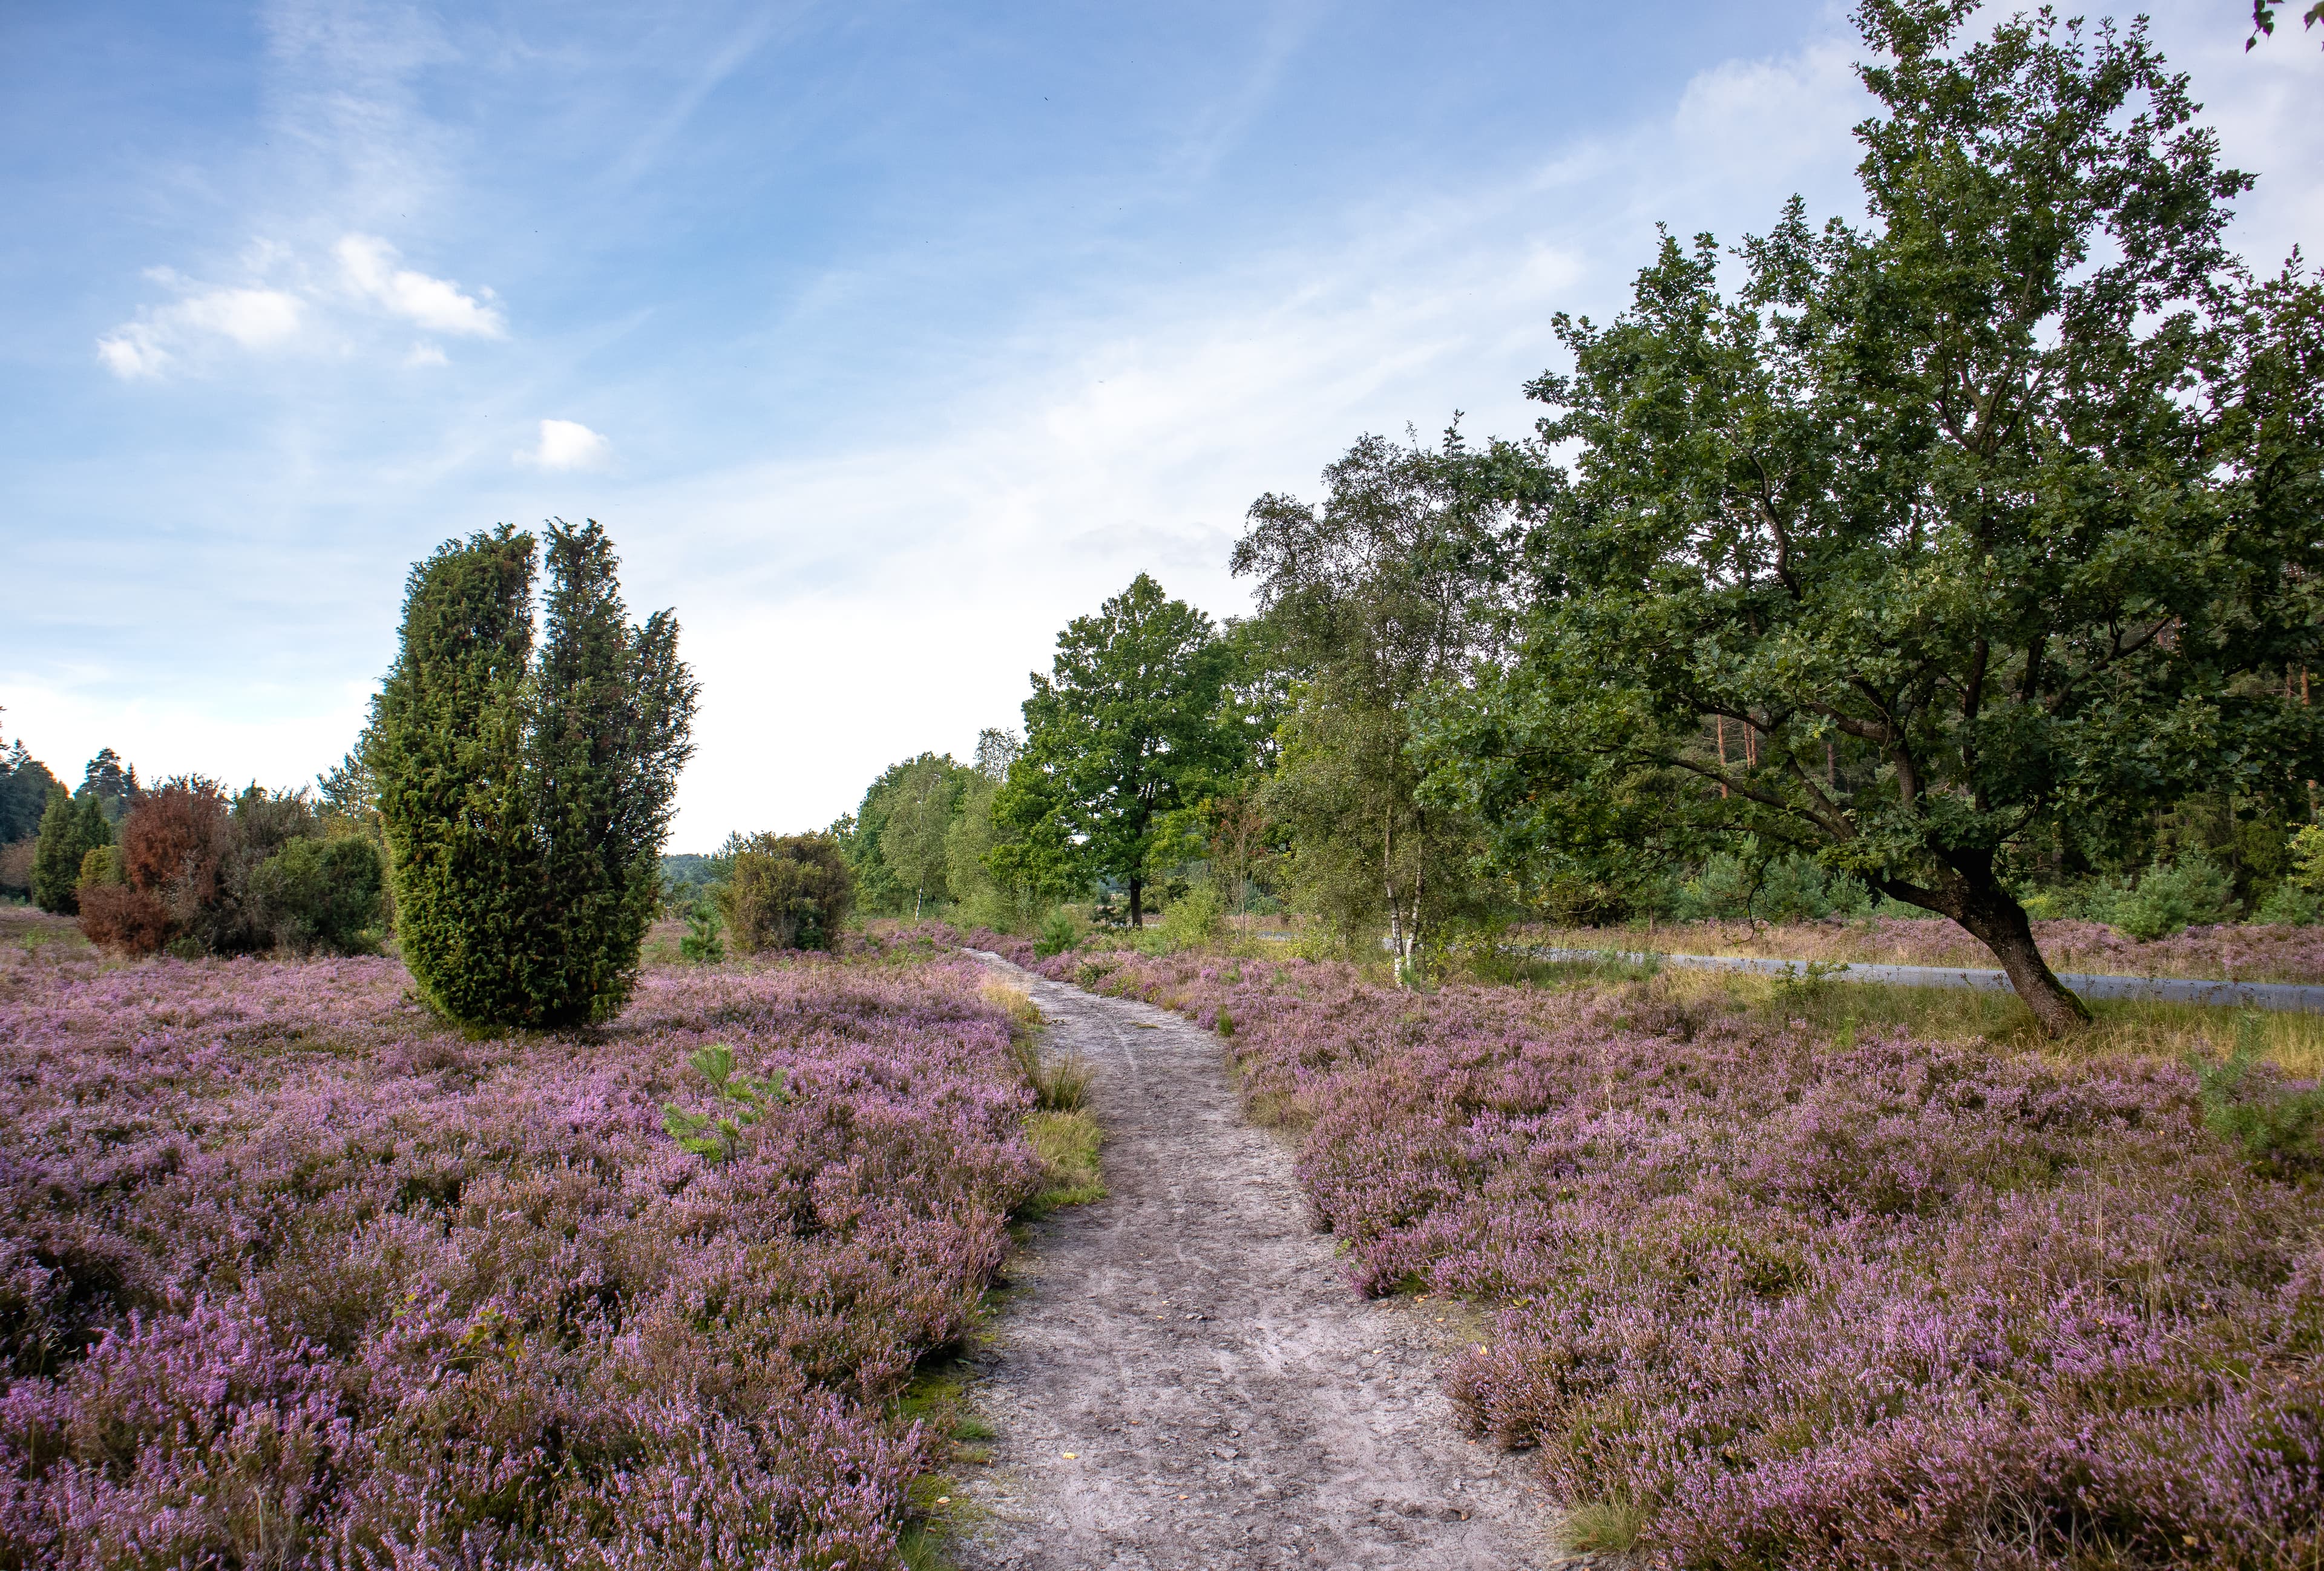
{"points": [[189, 868]]}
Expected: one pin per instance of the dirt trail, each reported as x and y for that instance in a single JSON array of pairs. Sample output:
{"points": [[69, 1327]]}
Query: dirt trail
{"points": [[1186, 1380]]}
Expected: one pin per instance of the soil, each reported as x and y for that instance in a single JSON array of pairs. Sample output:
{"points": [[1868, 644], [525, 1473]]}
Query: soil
{"points": [[1183, 1377]]}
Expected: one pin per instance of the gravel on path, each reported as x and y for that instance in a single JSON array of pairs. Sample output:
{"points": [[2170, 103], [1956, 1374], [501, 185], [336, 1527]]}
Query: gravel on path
{"points": [[1184, 1379]]}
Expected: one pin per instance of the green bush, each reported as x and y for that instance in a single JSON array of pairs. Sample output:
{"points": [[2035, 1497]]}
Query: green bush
{"points": [[2276, 1128], [99, 868], [787, 891], [2168, 897], [69, 831], [1195, 920], [2292, 905], [1059, 933], [526, 795], [702, 945], [1786, 888], [319, 895]]}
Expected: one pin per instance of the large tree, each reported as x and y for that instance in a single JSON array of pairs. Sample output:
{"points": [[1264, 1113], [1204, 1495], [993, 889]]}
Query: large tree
{"points": [[1134, 723], [1989, 526], [1392, 585], [919, 815], [24, 786], [525, 802]]}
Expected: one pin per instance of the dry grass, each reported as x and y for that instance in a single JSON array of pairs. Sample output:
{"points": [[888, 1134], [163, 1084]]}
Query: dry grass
{"points": [[2294, 1042], [1613, 1524], [2229, 953], [1067, 1144], [1060, 1081]]}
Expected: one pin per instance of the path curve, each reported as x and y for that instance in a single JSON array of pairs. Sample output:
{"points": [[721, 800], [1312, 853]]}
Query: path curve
{"points": [[1186, 1380]]}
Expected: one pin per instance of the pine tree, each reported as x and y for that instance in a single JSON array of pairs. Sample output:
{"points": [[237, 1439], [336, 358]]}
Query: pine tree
{"points": [[69, 830], [525, 803]]}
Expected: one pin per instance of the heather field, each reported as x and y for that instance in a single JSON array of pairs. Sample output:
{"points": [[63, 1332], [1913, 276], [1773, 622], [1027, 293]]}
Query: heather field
{"points": [[293, 1275], [2225, 952], [1770, 1290]]}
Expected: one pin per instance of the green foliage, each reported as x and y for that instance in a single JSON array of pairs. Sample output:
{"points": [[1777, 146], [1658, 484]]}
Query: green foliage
{"points": [[984, 898], [1390, 586], [2292, 905], [1748, 885], [24, 786], [2307, 857], [1135, 721], [318, 894], [69, 831], [1195, 920], [900, 866], [99, 868], [918, 818], [787, 891], [525, 801], [1059, 933], [2168, 897], [113, 783], [740, 1100], [1988, 527], [2277, 1128], [686, 880], [702, 945]]}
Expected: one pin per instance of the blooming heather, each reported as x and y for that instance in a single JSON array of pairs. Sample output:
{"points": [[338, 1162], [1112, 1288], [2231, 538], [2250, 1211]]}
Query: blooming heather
{"points": [[1874, 1303], [291, 1275]]}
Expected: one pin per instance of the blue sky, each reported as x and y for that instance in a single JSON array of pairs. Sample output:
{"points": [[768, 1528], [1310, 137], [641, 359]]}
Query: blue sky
{"points": [[884, 339]]}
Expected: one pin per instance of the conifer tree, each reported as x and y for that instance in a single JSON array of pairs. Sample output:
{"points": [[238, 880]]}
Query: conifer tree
{"points": [[69, 830], [525, 803]]}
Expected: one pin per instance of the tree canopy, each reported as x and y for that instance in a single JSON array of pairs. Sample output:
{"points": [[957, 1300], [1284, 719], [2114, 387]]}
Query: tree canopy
{"points": [[1135, 722], [1392, 585], [1942, 543]]}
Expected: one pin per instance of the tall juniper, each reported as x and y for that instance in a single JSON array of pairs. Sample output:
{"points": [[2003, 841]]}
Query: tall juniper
{"points": [[525, 798]]}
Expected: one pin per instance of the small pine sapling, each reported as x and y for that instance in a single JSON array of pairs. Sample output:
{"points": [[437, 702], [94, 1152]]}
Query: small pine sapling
{"points": [[716, 1135]]}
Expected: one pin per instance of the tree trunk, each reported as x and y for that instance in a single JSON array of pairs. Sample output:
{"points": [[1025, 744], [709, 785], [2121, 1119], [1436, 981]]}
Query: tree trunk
{"points": [[1137, 910], [1975, 899]]}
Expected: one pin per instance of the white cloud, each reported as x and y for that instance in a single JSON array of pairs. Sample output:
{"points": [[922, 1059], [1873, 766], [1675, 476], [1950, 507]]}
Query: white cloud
{"points": [[368, 265], [565, 444], [252, 319], [424, 355]]}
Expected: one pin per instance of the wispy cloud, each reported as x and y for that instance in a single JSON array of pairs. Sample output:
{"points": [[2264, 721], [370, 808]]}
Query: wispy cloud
{"points": [[368, 263], [565, 444], [249, 318], [268, 316]]}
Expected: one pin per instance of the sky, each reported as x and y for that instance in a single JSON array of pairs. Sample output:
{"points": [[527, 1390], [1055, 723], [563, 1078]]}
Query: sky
{"points": [[882, 338]]}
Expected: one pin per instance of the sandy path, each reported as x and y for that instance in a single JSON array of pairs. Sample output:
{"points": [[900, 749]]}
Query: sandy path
{"points": [[1184, 1378]]}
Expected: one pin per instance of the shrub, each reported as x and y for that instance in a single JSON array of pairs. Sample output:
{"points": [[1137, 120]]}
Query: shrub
{"points": [[702, 945], [1059, 933], [1195, 920], [319, 895], [525, 801], [174, 846], [17, 868], [2290, 905], [69, 831], [100, 867], [2276, 1126], [118, 916], [787, 891], [2169, 896]]}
